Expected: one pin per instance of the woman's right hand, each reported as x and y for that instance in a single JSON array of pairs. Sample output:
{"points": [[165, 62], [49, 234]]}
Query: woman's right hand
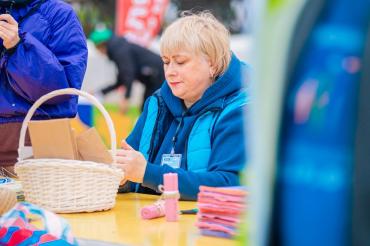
{"points": [[132, 162], [9, 31]]}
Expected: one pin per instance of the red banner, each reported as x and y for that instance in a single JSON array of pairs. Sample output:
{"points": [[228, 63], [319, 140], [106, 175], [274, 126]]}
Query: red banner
{"points": [[139, 20]]}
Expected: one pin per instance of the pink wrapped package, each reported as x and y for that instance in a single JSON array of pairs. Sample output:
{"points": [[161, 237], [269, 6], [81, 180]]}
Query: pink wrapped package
{"points": [[171, 196], [155, 210]]}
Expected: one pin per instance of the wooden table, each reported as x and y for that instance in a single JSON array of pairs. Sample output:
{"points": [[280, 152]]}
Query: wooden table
{"points": [[123, 224]]}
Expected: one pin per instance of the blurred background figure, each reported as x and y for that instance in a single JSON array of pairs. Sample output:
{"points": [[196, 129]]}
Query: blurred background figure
{"points": [[133, 62], [310, 162]]}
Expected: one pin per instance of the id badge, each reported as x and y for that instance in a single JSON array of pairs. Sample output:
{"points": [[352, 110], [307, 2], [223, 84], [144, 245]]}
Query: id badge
{"points": [[173, 160]]}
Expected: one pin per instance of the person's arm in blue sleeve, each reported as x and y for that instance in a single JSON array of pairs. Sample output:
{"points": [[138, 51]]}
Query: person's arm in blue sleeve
{"points": [[227, 160], [35, 68]]}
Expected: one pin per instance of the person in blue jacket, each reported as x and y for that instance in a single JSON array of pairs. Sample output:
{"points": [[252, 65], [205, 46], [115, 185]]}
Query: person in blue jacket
{"points": [[42, 48], [193, 125]]}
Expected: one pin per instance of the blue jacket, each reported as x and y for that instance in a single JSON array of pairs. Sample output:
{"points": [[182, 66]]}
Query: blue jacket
{"points": [[51, 55], [226, 157]]}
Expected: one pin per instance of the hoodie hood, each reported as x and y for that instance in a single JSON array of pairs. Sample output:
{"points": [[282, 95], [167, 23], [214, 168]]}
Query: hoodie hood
{"points": [[226, 84], [20, 8]]}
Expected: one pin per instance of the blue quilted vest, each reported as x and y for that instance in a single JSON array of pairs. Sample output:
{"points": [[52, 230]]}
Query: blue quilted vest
{"points": [[199, 140]]}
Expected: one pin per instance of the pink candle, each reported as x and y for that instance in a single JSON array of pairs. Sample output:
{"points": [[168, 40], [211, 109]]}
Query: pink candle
{"points": [[171, 196]]}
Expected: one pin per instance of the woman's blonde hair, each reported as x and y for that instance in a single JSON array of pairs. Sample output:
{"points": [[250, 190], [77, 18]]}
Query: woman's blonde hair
{"points": [[200, 33]]}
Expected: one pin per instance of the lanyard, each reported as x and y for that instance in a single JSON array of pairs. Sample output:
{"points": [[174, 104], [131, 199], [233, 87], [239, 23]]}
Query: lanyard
{"points": [[174, 138]]}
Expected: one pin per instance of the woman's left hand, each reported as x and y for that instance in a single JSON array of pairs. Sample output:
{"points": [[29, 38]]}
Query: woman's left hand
{"points": [[132, 162]]}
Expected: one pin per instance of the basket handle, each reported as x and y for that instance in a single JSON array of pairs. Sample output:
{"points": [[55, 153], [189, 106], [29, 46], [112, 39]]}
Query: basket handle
{"points": [[68, 91]]}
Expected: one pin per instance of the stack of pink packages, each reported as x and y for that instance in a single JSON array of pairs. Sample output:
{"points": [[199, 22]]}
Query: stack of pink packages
{"points": [[220, 210]]}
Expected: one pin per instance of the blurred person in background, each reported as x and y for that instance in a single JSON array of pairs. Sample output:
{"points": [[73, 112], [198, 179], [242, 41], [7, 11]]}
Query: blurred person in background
{"points": [[133, 62], [194, 124], [42, 49]]}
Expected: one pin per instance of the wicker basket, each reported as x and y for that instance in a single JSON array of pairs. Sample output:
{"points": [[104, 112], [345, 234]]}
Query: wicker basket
{"points": [[68, 186], [8, 199]]}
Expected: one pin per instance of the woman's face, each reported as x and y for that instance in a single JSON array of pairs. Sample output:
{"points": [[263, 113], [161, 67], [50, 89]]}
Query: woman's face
{"points": [[188, 75]]}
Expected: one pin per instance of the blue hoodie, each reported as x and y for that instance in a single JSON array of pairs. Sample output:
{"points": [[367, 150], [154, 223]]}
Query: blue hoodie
{"points": [[227, 156], [51, 55]]}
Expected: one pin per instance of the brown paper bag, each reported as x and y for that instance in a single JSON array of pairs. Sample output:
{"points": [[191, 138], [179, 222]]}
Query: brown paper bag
{"points": [[91, 147], [74, 145], [52, 139]]}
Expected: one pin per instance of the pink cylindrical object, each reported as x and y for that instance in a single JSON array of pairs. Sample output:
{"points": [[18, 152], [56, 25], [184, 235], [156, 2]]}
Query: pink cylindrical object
{"points": [[153, 211], [171, 196]]}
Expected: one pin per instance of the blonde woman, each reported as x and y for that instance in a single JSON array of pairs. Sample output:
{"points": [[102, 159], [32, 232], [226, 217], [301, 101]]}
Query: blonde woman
{"points": [[193, 125]]}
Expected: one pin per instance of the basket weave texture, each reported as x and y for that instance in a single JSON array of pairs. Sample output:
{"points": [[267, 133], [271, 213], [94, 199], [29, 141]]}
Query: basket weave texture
{"points": [[69, 186], [8, 199]]}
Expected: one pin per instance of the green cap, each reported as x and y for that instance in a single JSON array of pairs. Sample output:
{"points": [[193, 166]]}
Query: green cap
{"points": [[100, 35]]}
